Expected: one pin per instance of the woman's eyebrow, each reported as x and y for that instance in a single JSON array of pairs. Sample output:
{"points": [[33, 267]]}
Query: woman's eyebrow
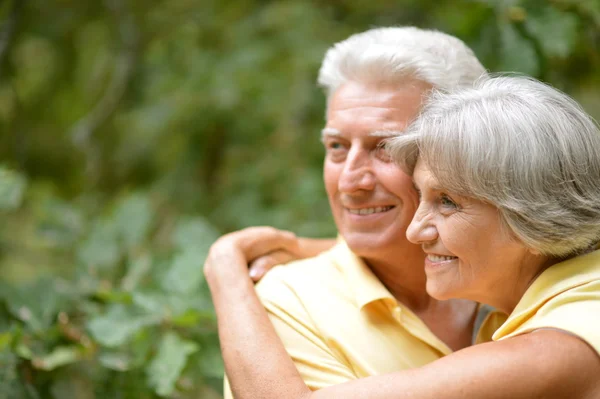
{"points": [[436, 187]]}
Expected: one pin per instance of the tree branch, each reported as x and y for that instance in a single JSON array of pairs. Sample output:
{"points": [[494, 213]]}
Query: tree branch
{"points": [[83, 130]]}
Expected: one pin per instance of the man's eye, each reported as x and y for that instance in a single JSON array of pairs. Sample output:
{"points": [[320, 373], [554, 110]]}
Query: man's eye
{"points": [[382, 152], [336, 151], [335, 146]]}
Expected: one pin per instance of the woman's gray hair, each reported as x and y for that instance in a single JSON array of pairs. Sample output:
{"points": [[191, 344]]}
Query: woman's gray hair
{"points": [[391, 55], [520, 145]]}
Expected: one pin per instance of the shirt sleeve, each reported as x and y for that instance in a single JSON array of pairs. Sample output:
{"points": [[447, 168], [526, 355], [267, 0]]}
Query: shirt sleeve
{"points": [[570, 311], [319, 364]]}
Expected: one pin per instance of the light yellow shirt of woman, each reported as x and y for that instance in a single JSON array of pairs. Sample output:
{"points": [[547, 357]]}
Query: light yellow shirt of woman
{"points": [[565, 297]]}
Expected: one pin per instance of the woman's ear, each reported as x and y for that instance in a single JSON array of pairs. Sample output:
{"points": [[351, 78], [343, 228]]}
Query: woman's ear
{"points": [[535, 252]]}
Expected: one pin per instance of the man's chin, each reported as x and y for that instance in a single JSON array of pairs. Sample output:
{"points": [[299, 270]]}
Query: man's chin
{"points": [[367, 243]]}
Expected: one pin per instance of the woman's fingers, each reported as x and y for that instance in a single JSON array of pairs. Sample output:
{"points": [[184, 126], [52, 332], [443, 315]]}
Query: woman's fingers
{"points": [[232, 253], [262, 264], [255, 242]]}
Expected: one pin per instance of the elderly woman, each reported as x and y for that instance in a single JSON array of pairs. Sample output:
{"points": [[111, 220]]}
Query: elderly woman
{"points": [[509, 179]]}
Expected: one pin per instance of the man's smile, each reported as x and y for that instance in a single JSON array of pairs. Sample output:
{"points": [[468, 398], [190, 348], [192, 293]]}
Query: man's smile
{"points": [[368, 211]]}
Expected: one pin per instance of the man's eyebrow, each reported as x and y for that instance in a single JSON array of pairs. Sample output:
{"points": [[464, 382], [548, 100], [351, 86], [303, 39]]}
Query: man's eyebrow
{"points": [[329, 131], [384, 133]]}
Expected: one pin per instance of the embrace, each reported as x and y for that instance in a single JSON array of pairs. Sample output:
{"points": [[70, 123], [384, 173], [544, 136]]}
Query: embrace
{"points": [[468, 261]]}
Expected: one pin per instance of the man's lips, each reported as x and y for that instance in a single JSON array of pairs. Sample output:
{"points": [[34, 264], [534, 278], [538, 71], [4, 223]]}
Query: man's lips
{"points": [[369, 210]]}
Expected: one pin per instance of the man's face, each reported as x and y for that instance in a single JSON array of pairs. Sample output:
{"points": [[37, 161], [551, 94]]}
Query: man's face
{"points": [[372, 200]]}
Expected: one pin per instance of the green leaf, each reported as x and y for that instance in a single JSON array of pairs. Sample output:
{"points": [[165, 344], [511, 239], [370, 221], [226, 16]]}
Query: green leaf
{"points": [[195, 234], [517, 53], [118, 325], [115, 361], [10, 384], [60, 356], [60, 223], [556, 31], [12, 188], [24, 351], [172, 305], [137, 269], [101, 248], [211, 362], [169, 362], [151, 302], [132, 219], [185, 274], [36, 304]]}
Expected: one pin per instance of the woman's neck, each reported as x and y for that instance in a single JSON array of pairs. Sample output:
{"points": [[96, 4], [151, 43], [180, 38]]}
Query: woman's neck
{"points": [[508, 300]]}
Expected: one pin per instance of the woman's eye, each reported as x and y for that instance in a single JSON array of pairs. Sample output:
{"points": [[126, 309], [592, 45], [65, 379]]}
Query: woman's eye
{"points": [[447, 202]]}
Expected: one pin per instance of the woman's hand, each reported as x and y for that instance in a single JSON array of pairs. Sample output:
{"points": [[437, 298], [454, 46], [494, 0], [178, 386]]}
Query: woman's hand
{"points": [[306, 248], [263, 248], [231, 254]]}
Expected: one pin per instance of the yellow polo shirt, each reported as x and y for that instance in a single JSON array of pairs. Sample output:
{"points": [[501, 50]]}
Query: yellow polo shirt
{"points": [[338, 322], [566, 296]]}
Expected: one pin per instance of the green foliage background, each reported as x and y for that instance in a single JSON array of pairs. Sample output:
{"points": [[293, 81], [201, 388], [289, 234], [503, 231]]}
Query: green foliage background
{"points": [[133, 133]]}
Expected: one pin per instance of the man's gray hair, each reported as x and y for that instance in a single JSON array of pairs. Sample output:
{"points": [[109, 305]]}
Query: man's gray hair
{"points": [[520, 145], [391, 55]]}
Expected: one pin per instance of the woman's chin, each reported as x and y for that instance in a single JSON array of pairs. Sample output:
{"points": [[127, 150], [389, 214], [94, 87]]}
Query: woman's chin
{"points": [[441, 292]]}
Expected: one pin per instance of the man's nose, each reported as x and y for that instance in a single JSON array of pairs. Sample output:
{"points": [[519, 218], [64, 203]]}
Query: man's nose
{"points": [[421, 230], [358, 172]]}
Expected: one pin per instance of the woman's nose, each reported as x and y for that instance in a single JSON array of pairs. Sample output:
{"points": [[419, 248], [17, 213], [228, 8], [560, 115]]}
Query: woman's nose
{"points": [[421, 230]]}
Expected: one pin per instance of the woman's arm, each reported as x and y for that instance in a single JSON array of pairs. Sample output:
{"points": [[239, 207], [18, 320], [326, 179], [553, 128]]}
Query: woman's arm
{"points": [[546, 363], [243, 333]]}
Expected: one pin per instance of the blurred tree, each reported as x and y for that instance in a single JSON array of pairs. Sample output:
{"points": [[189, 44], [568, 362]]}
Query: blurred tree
{"points": [[133, 133]]}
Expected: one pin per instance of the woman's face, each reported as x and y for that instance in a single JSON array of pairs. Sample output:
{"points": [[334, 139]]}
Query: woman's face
{"points": [[470, 254]]}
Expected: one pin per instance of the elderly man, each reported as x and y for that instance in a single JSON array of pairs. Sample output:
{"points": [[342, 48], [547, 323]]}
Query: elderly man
{"points": [[361, 308]]}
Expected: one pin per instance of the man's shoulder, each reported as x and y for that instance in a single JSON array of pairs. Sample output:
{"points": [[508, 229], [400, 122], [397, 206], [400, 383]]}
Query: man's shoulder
{"points": [[301, 271], [318, 275]]}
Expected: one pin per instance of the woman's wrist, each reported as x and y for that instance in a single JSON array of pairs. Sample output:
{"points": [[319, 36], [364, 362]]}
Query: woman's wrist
{"points": [[226, 267]]}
